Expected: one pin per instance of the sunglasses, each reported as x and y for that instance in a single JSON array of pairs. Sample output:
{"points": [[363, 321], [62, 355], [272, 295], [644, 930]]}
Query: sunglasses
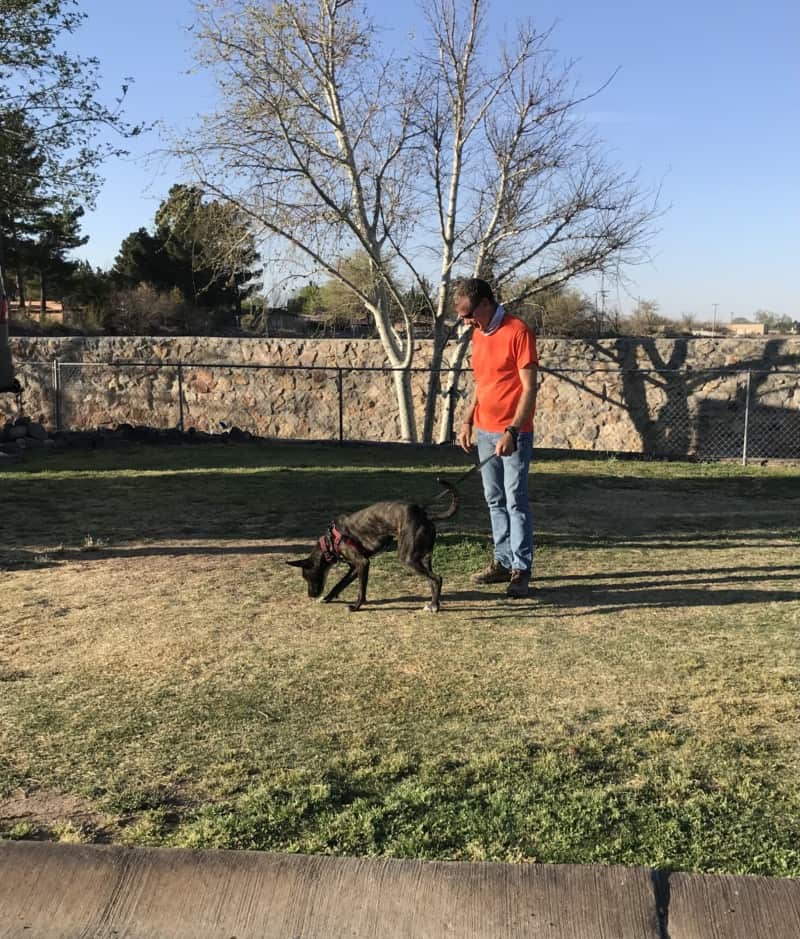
{"points": [[470, 312]]}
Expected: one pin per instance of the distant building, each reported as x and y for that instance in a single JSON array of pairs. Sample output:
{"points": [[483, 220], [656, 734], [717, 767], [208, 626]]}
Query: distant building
{"points": [[285, 324], [280, 322], [746, 329]]}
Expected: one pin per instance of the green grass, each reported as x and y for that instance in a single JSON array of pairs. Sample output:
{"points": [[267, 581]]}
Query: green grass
{"points": [[164, 680]]}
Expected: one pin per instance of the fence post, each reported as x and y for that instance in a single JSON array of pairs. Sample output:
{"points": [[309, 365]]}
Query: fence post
{"points": [[180, 396], [341, 404], [746, 419], [57, 392]]}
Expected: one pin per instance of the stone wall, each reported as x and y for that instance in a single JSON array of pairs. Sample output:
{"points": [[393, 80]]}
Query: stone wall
{"points": [[671, 396]]}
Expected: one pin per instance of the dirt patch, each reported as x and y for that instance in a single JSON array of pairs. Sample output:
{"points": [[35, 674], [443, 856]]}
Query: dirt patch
{"points": [[48, 814]]}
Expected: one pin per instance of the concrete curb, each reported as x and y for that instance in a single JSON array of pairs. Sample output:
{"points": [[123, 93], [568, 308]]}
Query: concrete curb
{"points": [[54, 891]]}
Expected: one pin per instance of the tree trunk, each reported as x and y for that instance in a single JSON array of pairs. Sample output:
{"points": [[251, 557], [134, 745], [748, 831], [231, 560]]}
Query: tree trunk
{"points": [[449, 411], [405, 401], [21, 289], [400, 359], [18, 269], [435, 379], [43, 303]]}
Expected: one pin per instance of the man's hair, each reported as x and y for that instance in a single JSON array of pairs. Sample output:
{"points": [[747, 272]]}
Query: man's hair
{"points": [[474, 289]]}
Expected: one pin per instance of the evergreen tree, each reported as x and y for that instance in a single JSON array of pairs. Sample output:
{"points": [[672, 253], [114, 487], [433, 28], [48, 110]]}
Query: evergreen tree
{"points": [[58, 233], [22, 197], [204, 249], [51, 137]]}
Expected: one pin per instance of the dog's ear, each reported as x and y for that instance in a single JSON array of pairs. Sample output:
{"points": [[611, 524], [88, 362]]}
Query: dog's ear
{"points": [[303, 562]]}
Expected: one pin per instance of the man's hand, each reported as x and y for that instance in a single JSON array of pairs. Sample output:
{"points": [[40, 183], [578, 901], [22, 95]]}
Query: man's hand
{"points": [[506, 445], [464, 438]]}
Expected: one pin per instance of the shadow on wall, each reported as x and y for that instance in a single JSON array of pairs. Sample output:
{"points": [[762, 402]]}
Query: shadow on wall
{"points": [[705, 416]]}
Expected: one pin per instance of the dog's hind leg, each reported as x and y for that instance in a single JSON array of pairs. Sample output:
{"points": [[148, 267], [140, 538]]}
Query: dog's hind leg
{"points": [[415, 549], [423, 566], [334, 592]]}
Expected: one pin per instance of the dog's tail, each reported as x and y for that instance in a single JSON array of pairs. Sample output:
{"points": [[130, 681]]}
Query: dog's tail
{"points": [[455, 502]]}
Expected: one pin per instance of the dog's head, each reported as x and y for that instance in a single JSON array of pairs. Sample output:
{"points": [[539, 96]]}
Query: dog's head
{"points": [[315, 569]]}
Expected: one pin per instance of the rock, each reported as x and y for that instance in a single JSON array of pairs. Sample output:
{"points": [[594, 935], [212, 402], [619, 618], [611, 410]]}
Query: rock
{"points": [[201, 380], [36, 431]]}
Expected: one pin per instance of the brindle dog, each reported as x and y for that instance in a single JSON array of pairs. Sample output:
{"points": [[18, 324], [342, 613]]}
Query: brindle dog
{"points": [[355, 538]]}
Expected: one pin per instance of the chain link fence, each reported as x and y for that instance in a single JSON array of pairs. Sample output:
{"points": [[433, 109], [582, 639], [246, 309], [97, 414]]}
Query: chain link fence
{"points": [[703, 414], [39, 396]]}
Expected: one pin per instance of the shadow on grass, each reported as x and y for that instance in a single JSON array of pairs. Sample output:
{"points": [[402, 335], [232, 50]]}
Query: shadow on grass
{"points": [[601, 599], [469, 601], [181, 550], [291, 493], [25, 559], [708, 574]]}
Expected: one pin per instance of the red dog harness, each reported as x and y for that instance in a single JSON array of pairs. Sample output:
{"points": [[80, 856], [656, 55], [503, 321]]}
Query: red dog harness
{"points": [[331, 541]]}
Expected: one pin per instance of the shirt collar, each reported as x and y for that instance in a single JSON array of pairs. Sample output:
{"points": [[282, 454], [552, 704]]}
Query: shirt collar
{"points": [[495, 321]]}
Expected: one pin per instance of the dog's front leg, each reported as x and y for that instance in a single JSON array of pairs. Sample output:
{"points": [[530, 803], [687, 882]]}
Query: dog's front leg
{"points": [[348, 579], [362, 569]]}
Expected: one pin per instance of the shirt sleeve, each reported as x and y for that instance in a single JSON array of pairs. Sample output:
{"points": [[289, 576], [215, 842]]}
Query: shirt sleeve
{"points": [[525, 354]]}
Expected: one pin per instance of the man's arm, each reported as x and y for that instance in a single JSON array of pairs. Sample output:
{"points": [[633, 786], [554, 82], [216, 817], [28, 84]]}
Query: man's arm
{"points": [[527, 401], [464, 438], [507, 444]]}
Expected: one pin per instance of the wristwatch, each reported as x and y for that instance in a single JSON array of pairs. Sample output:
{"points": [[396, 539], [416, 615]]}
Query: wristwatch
{"points": [[514, 431]]}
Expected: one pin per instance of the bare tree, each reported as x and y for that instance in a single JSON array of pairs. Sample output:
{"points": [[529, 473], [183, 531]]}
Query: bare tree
{"points": [[460, 155], [646, 320], [558, 312], [340, 305], [531, 203]]}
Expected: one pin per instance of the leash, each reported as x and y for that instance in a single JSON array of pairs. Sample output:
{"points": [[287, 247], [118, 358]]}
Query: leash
{"points": [[469, 472], [472, 469]]}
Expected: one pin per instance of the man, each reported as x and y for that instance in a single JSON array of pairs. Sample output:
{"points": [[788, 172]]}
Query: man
{"points": [[504, 363]]}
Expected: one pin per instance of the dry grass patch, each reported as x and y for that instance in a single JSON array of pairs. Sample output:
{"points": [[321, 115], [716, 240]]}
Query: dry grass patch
{"points": [[177, 681]]}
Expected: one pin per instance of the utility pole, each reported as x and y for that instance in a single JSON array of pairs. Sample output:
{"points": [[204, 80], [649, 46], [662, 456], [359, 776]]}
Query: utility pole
{"points": [[714, 327], [602, 317]]}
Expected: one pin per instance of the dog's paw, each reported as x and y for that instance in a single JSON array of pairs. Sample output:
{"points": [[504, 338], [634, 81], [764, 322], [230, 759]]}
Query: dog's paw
{"points": [[431, 607], [354, 607]]}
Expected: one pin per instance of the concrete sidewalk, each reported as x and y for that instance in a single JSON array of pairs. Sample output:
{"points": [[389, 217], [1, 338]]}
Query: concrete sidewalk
{"points": [[54, 891]]}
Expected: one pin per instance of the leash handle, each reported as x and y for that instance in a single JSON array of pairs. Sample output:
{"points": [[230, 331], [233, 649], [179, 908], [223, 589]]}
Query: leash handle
{"points": [[469, 472]]}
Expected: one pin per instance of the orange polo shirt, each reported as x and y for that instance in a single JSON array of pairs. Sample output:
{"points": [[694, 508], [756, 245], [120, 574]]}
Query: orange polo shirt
{"points": [[496, 361]]}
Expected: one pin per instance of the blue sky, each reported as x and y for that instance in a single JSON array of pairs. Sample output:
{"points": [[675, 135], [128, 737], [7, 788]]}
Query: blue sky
{"points": [[706, 105]]}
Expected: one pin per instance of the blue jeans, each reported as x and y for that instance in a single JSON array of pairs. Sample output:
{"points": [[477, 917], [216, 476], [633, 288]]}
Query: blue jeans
{"points": [[505, 487]]}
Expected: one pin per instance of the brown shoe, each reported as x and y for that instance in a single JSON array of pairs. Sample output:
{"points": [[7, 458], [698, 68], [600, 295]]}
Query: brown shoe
{"points": [[519, 586], [495, 573]]}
